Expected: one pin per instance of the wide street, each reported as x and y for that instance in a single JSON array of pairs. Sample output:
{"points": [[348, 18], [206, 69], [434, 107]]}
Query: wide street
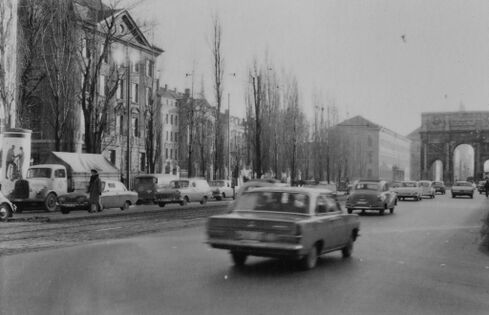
{"points": [[423, 259]]}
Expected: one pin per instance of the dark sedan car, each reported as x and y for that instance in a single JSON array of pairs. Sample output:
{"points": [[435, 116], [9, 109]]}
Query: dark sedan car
{"points": [[371, 195], [439, 187]]}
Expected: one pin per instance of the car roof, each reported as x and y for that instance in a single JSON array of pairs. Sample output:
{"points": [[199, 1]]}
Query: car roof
{"points": [[290, 189]]}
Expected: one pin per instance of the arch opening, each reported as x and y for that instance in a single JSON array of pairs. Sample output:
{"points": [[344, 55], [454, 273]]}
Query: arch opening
{"points": [[463, 162], [436, 171]]}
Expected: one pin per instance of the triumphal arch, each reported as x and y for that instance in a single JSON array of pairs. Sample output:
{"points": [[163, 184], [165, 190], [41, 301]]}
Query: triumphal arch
{"points": [[442, 132]]}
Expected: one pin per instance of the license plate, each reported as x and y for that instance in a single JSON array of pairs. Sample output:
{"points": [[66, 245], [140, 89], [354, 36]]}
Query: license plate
{"points": [[249, 235]]}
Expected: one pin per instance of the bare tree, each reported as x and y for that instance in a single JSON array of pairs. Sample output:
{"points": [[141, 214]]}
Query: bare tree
{"points": [[153, 133], [58, 50], [7, 91], [218, 74], [257, 90]]}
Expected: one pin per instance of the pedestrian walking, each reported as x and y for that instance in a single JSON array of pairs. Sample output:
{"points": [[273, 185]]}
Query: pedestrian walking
{"points": [[95, 190], [486, 187]]}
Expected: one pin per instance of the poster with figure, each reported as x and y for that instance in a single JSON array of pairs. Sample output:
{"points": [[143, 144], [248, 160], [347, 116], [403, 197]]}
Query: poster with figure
{"points": [[14, 157]]}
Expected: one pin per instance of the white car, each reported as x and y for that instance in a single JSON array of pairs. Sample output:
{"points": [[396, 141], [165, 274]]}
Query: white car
{"points": [[462, 188], [427, 188], [408, 189], [221, 189], [7, 208]]}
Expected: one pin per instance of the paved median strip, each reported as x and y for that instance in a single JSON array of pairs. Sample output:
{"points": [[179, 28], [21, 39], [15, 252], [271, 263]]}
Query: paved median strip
{"points": [[111, 228]]}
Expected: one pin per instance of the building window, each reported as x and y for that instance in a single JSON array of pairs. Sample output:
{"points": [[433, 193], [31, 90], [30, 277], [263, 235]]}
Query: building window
{"points": [[85, 49], [166, 153], [167, 136], [166, 118], [176, 120], [171, 136], [142, 161], [171, 153], [149, 95], [121, 124], [171, 120], [112, 156], [120, 89], [102, 85], [135, 127], [149, 68], [106, 54], [135, 67], [134, 92]]}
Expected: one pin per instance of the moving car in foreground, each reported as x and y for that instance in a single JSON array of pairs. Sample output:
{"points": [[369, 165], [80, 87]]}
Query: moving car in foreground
{"points": [[114, 195], [439, 187], [284, 222], [7, 208], [462, 188], [371, 194], [409, 189], [427, 188]]}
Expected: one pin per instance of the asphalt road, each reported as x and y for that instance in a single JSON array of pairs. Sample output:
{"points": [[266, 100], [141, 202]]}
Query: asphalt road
{"points": [[423, 259]]}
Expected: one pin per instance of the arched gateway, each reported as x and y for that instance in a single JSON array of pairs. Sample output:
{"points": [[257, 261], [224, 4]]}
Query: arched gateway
{"points": [[441, 133]]}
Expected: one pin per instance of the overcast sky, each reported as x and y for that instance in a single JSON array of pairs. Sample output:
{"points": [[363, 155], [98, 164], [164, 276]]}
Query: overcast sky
{"points": [[386, 60]]}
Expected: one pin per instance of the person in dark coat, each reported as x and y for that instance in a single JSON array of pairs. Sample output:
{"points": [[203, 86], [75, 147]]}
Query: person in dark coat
{"points": [[94, 190], [486, 187]]}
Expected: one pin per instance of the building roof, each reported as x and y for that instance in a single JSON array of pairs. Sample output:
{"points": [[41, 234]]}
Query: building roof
{"points": [[359, 121], [165, 92]]}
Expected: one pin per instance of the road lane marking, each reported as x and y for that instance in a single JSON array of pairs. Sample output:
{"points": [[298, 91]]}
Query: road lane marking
{"points": [[111, 228]]}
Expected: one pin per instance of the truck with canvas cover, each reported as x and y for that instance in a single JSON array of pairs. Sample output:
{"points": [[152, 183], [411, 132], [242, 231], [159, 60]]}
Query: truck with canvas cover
{"points": [[61, 172]]}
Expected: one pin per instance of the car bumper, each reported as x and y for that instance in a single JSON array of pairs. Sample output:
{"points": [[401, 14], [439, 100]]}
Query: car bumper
{"points": [[407, 195], [364, 207], [259, 248]]}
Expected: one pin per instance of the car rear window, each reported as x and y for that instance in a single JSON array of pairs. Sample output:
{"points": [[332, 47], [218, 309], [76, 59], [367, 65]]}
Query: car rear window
{"points": [[274, 202], [462, 184], [408, 184], [367, 186]]}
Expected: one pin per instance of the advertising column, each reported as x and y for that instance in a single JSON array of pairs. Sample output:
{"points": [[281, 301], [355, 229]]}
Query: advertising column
{"points": [[15, 156]]}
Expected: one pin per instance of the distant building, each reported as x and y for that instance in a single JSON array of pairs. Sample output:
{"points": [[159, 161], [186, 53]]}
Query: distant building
{"points": [[236, 140], [415, 138], [360, 148]]}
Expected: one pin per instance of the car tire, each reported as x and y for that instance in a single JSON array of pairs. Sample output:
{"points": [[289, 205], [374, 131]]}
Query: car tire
{"points": [[391, 210], [65, 210], [204, 200], [349, 210], [311, 259], [239, 259], [223, 195], [472, 196], [125, 206], [50, 202], [382, 211], [184, 201], [161, 204], [348, 249], [453, 196], [219, 198], [5, 212]]}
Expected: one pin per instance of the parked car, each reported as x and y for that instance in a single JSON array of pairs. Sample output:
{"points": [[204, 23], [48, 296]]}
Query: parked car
{"points": [[427, 188], [462, 188], [254, 183], [371, 195], [7, 208], [221, 189], [439, 187], [114, 195], [284, 222], [481, 186], [148, 184], [183, 191], [409, 189]]}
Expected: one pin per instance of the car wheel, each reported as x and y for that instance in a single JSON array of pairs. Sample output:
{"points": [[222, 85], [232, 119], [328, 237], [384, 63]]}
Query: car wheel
{"points": [[223, 195], [50, 202], [310, 260], [453, 196], [391, 210], [382, 211], [161, 204], [125, 206], [471, 196], [204, 200], [65, 210], [348, 249], [219, 198], [5, 212], [184, 201], [349, 210], [239, 259]]}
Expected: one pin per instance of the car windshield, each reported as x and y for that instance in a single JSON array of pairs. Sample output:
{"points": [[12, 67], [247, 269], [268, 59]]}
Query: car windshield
{"points": [[463, 184], [276, 201], [39, 173], [367, 186], [178, 184], [424, 184], [408, 184], [216, 183]]}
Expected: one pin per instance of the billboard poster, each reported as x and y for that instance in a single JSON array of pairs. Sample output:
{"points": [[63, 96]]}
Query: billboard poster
{"points": [[15, 156]]}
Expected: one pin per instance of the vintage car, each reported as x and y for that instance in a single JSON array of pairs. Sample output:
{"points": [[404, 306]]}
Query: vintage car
{"points": [[254, 183], [427, 188], [147, 185], [409, 189], [221, 189], [114, 195], [183, 191], [284, 222], [371, 194], [439, 187], [462, 188], [7, 208]]}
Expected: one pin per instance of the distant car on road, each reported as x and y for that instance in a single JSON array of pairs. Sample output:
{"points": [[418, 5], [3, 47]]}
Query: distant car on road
{"points": [[371, 194], [427, 188], [439, 187], [462, 188], [284, 222], [221, 189], [7, 208], [114, 195], [183, 191], [409, 189]]}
